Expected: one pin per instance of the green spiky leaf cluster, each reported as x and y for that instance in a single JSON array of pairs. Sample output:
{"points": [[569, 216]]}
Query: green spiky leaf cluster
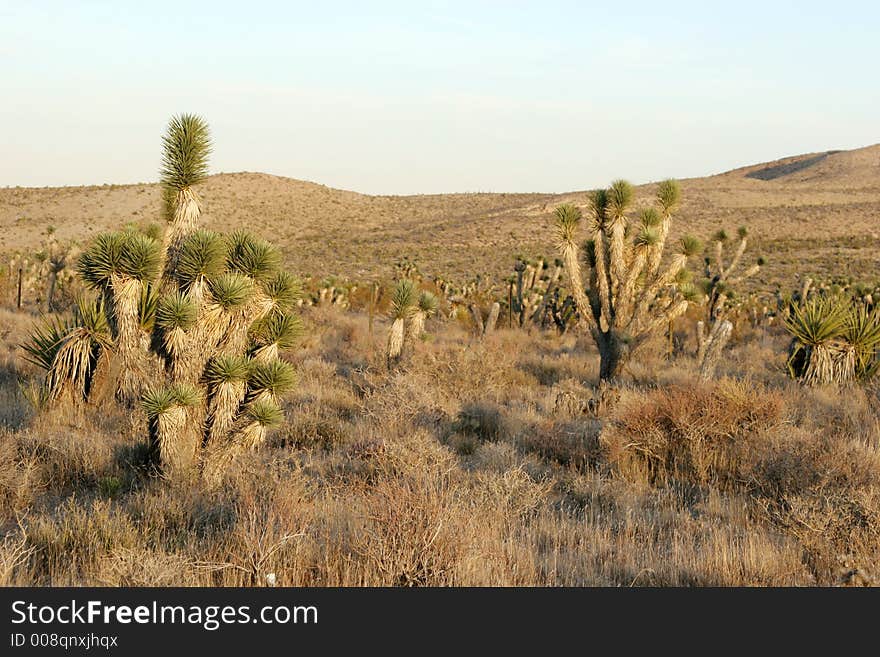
{"points": [[647, 237], [45, 340], [148, 303], [252, 256], [124, 254], [275, 377], [404, 299], [817, 320], [160, 400], [227, 369], [862, 331], [176, 311], [284, 290], [202, 256], [280, 329], [620, 196], [650, 218], [428, 303], [599, 205], [88, 327], [568, 219], [690, 245], [231, 290], [186, 147], [669, 195], [265, 412]]}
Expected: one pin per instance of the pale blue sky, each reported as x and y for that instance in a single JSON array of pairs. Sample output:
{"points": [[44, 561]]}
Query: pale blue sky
{"points": [[410, 97]]}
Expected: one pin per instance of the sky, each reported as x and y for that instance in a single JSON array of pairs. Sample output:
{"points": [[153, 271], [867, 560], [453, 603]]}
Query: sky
{"points": [[434, 97]]}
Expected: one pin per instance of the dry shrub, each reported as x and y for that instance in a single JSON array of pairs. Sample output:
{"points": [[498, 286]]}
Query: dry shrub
{"points": [[512, 494], [823, 490], [484, 421], [15, 554], [143, 567], [21, 477], [817, 484], [690, 432], [411, 538], [311, 433], [572, 442], [69, 546]]}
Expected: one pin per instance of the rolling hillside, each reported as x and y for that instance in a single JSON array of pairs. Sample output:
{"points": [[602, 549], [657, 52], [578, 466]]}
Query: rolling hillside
{"points": [[817, 213]]}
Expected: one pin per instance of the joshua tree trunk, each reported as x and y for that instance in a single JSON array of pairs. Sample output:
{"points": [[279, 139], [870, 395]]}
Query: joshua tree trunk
{"points": [[395, 340], [129, 345], [478, 319], [492, 319], [50, 295], [712, 346], [613, 354]]}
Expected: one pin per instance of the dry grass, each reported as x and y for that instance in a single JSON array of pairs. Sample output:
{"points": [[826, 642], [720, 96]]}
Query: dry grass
{"points": [[459, 467]]}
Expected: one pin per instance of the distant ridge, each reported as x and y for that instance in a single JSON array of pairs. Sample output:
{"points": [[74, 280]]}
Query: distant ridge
{"points": [[858, 166], [792, 166], [816, 212]]}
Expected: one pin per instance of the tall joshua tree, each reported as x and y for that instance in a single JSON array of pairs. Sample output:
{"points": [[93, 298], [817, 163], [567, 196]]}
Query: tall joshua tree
{"points": [[713, 332], [199, 319], [629, 295]]}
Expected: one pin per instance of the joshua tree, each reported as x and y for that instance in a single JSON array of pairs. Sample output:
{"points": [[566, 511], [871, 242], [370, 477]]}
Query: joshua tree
{"points": [[629, 296], [714, 330], [199, 316]]}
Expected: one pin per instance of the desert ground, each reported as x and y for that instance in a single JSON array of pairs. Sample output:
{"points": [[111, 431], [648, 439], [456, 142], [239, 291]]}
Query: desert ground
{"points": [[498, 460]]}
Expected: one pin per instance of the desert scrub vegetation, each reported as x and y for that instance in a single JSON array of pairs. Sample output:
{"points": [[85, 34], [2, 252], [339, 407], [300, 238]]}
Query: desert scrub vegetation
{"points": [[630, 295], [189, 323], [459, 468]]}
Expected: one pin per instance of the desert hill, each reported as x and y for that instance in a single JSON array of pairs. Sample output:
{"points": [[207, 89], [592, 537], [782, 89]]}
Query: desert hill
{"points": [[817, 213]]}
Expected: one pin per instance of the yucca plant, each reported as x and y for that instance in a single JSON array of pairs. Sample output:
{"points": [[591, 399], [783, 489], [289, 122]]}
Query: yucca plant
{"points": [[69, 349], [426, 307], [176, 315], [862, 331], [283, 290], [403, 306], [201, 317], [231, 311], [819, 353], [628, 295], [252, 256], [269, 380], [714, 330]]}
